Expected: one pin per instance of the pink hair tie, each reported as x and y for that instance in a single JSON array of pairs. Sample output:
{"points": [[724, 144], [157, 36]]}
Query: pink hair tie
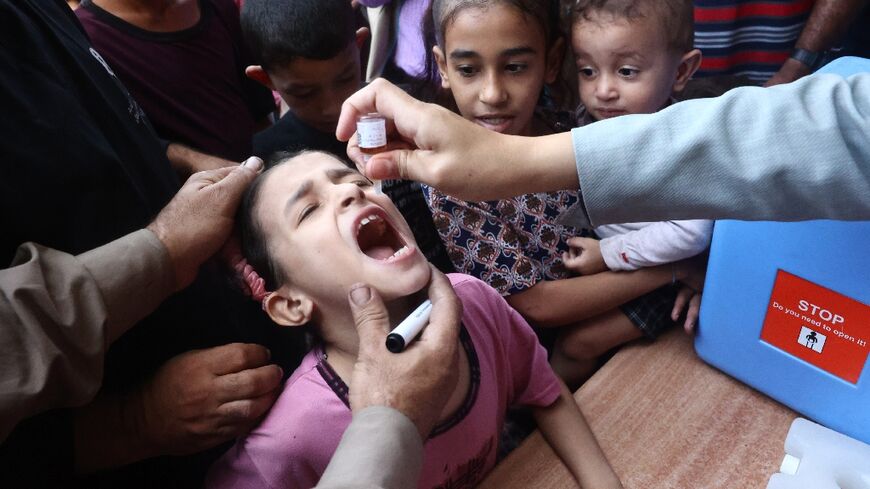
{"points": [[254, 285]]}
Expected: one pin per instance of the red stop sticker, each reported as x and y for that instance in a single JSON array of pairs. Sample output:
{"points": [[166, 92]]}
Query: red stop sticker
{"points": [[818, 325]]}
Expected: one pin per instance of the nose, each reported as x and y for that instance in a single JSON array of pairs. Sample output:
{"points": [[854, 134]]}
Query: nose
{"points": [[605, 87], [348, 194], [493, 91]]}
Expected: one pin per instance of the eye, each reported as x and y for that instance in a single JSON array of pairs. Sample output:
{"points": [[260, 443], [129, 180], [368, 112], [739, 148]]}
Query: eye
{"points": [[346, 79], [300, 94], [586, 71], [466, 71], [362, 182], [515, 67], [627, 72], [307, 211]]}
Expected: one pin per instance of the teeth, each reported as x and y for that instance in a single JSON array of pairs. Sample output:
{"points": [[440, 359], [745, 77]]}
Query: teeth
{"points": [[400, 251], [367, 220]]}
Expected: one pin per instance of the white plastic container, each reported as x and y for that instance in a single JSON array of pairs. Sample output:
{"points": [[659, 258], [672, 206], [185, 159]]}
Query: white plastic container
{"points": [[819, 458]]}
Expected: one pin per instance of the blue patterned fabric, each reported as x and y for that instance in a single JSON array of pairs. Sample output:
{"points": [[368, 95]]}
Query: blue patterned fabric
{"points": [[510, 244]]}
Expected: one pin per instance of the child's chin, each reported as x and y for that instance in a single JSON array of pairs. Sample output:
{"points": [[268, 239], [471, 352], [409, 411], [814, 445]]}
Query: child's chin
{"points": [[411, 282]]}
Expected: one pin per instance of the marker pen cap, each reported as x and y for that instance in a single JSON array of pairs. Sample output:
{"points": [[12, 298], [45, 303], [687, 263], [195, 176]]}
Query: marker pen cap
{"points": [[395, 343]]}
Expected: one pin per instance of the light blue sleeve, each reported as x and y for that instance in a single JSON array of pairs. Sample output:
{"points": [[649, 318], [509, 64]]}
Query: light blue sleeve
{"points": [[791, 152]]}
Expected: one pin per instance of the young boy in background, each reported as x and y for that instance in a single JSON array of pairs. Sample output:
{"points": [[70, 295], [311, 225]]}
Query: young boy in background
{"points": [[632, 56], [309, 52]]}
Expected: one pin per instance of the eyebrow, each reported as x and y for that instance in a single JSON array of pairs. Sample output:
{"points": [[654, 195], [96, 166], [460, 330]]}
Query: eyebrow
{"points": [[517, 51], [628, 54], [298, 194], [459, 54], [334, 174]]}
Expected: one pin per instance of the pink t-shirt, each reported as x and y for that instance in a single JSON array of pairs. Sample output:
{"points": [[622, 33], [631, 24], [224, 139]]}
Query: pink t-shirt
{"points": [[293, 445]]}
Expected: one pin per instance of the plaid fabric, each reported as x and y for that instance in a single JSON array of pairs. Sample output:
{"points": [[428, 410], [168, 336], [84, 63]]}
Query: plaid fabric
{"points": [[651, 313]]}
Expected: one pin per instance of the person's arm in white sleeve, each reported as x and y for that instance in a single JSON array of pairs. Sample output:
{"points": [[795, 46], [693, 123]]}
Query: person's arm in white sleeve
{"points": [[791, 152], [656, 244]]}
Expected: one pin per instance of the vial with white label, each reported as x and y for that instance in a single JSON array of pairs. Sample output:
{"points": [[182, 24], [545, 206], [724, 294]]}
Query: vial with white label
{"points": [[371, 131]]}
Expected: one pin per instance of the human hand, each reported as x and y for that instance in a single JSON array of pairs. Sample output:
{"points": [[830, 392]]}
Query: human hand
{"points": [[440, 148], [584, 256], [418, 381], [692, 271], [790, 71], [688, 299], [198, 220], [202, 398]]}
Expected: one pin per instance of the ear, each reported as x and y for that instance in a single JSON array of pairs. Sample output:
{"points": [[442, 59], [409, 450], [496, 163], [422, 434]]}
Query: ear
{"points": [[289, 307], [259, 75], [555, 56], [362, 34], [689, 64], [441, 61]]}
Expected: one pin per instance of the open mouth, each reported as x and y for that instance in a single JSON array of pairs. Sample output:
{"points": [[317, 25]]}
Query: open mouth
{"points": [[378, 240], [496, 123]]}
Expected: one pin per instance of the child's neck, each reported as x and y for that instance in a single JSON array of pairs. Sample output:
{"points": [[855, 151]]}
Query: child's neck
{"points": [[341, 341]]}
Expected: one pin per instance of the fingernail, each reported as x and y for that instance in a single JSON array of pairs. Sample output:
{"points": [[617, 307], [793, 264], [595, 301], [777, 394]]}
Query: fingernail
{"points": [[253, 163], [268, 353], [360, 294]]}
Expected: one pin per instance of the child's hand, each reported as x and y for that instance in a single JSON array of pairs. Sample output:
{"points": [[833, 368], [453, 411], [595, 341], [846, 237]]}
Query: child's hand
{"points": [[688, 299], [584, 256]]}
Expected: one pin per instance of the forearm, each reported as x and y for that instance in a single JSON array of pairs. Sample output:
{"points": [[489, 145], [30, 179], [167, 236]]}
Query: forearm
{"points": [[828, 23], [187, 161], [563, 426], [529, 165], [560, 302]]}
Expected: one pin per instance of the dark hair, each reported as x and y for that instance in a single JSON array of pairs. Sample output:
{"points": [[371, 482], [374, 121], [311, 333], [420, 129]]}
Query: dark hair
{"points": [[252, 237], [442, 13], [676, 17], [278, 31]]}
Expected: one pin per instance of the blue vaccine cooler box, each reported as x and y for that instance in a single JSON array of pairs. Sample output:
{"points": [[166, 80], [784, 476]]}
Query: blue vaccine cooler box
{"points": [[786, 310]]}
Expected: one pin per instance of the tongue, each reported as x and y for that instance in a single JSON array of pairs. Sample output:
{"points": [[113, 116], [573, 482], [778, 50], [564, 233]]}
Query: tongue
{"points": [[380, 252]]}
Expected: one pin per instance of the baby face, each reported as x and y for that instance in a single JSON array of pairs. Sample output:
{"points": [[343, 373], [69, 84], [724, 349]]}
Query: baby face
{"points": [[495, 63], [623, 67], [327, 229]]}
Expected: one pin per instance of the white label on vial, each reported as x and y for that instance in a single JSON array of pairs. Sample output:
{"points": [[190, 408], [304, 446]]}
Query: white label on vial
{"points": [[372, 133]]}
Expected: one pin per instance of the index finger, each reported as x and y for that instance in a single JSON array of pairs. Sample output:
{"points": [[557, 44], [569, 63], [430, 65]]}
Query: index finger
{"points": [[235, 357], [378, 96]]}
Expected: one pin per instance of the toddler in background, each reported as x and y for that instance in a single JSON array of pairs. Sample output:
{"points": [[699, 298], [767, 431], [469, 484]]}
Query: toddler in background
{"points": [[632, 56], [494, 58], [312, 228]]}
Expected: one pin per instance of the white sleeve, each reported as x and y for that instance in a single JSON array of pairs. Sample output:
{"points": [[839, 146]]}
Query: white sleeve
{"points": [[790, 152], [656, 244]]}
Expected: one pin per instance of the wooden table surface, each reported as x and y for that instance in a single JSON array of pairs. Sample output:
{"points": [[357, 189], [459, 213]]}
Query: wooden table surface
{"points": [[665, 420]]}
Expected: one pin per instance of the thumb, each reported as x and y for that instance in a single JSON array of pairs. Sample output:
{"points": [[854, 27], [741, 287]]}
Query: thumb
{"points": [[369, 316], [237, 180], [398, 164]]}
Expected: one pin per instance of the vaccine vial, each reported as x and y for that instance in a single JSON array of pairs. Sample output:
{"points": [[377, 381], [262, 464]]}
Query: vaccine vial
{"points": [[371, 131]]}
